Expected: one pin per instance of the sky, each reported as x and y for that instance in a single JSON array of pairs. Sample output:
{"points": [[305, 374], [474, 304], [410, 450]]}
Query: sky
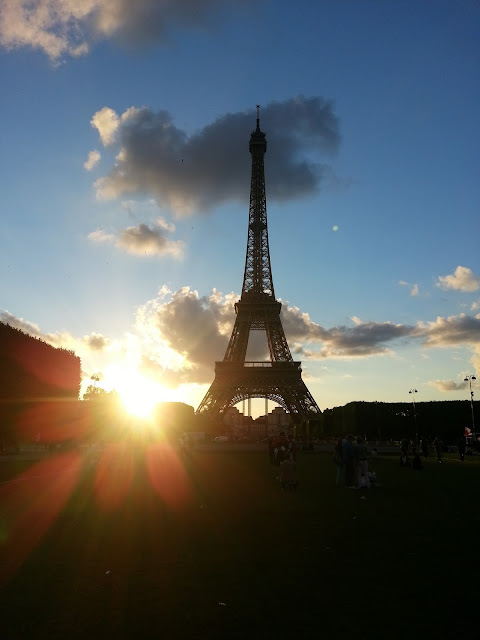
{"points": [[125, 177]]}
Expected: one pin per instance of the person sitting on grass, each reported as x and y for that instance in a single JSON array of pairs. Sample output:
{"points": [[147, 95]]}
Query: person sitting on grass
{"points": [[372, 476], [288, 475]]}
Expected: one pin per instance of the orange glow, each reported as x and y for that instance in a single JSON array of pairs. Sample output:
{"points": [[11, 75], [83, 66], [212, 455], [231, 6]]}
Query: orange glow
{"points": [[167, 475], [53, 421], [30, 505], [114, 475]]}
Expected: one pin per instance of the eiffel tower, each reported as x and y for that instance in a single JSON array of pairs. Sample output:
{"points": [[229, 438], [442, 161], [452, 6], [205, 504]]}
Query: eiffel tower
{"points": [[280, 378]]}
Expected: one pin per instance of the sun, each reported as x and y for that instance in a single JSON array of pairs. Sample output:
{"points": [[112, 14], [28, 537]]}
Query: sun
{"points": [[138, 393], [138, 400]]}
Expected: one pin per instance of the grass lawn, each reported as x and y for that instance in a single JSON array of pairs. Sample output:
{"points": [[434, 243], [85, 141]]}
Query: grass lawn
{"points": [[147, 544]]}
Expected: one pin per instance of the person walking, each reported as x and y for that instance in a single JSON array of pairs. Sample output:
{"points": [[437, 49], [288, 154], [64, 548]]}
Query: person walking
{"points": [[348, 461], [338, 459]]}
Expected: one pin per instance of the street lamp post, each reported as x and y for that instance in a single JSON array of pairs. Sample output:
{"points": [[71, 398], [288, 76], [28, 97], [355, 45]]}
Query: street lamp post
{"points": [[469, 380], [413, 392]]}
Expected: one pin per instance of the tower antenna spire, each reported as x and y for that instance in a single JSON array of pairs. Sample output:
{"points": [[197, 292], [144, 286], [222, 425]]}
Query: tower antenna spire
{"points": [[258, 117]]}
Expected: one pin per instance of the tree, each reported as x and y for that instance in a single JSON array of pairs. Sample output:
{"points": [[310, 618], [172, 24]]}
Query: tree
{"points": [[93, 392]]}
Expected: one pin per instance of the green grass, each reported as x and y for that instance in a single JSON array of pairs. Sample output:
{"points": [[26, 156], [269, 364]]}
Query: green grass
{"points": [[123, 559]]}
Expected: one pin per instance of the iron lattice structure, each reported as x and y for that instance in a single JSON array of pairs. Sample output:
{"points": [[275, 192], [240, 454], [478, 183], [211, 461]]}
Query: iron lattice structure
{"points": [[280, 378]]}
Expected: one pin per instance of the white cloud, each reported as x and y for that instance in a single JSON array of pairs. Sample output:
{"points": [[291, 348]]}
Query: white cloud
{"points": [[100, 236], [92, 160], [178, 336], [195, 328], [195, 173], [447, 385], [414, 291], [106, 122], [463, 279], [454, 330], [142, 240], [62, 28], [146, 240]]}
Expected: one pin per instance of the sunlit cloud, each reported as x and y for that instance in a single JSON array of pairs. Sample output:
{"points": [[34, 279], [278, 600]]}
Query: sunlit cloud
{"points": [[190, 174], [463, 279], [168, 321], [454, 330], [92, 160], [447, 385], [62, 28], [142, 240], [96, 341], [178, 335], [414, 291]]}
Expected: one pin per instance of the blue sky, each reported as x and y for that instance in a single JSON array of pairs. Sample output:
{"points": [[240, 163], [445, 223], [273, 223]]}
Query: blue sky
{"points": [[125, 179]]}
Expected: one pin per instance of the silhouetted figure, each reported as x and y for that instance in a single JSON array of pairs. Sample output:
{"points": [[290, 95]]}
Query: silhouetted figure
{"points": [[417, 463], [288, 475], [292, 448], [404, 459], [361, 458], [372, 476], [425, 447], [348, 461], [338, 459], [271, 449], [438, 448], [461, 449]]}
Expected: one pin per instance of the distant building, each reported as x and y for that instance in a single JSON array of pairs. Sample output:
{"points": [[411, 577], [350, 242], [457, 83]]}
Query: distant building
{"points": [[279, 419], [239, 425]]}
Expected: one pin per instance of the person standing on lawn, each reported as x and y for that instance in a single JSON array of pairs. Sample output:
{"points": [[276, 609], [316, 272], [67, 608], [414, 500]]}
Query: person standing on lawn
{"points": [[361, 457], [348, 461], [338, 459], [425, 447], [292, 448]]}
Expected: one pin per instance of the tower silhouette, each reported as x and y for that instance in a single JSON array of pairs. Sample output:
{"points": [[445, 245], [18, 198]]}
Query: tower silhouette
{"points": [[280, 378]]}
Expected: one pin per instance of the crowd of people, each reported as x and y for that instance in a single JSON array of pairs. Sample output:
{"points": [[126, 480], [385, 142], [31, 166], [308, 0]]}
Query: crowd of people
{"points": [[355, 462], [351, 457]]}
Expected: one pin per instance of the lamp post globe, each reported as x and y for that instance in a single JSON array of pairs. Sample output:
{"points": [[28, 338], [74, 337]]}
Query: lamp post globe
{"points": [[469, 379], [413, 392]]}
